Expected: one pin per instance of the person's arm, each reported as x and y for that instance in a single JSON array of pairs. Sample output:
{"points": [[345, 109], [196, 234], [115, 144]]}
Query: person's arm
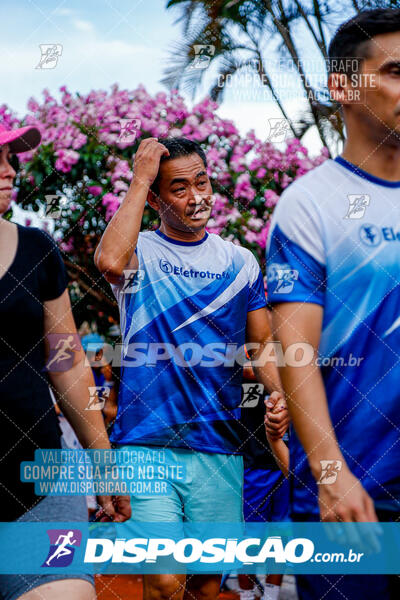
{"points": [[258, 343], [110, 409], [116, 250], [281, 454], [278, 447], [346, 499], [71, 388]]}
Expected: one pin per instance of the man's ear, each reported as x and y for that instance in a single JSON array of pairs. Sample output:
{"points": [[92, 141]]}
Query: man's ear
{"points": [[153, 200], [338, 85]]}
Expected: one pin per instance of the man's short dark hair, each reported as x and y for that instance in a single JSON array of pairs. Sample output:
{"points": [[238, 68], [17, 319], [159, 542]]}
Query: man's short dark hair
{"points": [[352, 39], [178, 146]]}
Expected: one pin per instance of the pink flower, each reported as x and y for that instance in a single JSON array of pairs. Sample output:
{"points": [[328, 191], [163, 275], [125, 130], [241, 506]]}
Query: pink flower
{"points": [[286, 180], [95, 190], [263, 235], [111, 202], [243, 188], [66, 159], [271, 198], [120, 186], [87, 127], [67, 246], [250, 236]]}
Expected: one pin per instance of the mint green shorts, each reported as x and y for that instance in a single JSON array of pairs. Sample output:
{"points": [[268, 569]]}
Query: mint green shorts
{"points": [[177, 485]]}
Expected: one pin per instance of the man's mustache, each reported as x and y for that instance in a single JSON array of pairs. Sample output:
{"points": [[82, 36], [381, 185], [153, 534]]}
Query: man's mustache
{"points": [[201, 202]]}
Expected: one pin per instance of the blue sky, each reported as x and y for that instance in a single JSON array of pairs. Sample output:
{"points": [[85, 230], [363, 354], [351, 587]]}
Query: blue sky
{"points": [[104, 41]]}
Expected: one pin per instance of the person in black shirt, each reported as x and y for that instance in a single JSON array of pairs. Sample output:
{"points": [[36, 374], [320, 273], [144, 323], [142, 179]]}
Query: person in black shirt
{"points": [[36, 319], [266, 467]]}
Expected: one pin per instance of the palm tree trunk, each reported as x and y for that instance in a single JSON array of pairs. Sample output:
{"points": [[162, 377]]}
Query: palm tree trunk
{"points": [[265, 80], [318, 16], [288, 41], [319, 41]]}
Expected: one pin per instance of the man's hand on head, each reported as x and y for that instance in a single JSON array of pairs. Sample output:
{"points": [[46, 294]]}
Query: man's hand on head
{"points": [[147, 160], [276, 418]]}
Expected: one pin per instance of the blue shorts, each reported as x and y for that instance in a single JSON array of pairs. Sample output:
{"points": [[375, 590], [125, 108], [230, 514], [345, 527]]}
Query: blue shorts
{"points": [[201, 486], [265, 496]]}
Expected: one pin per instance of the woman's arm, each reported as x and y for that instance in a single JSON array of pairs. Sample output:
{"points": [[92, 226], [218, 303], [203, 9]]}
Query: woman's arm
{"points": [[281, 454], [71, 387]]}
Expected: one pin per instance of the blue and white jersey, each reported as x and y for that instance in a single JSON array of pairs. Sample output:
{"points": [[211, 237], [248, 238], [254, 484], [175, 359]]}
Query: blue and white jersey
{"points": [[182, 328], [335, 241]]}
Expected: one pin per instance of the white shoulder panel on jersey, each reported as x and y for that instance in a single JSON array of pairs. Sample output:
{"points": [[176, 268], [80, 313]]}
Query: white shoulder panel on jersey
{"points": [[298, 216], [253, 268]]}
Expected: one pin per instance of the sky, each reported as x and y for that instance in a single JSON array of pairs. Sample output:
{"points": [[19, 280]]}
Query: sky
{"points": [[109, 41]]}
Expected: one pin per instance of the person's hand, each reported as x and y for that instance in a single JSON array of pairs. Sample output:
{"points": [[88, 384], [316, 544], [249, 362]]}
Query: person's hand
{"points": [[276, 418], [147, 160], [114, 508], [345, 500]]}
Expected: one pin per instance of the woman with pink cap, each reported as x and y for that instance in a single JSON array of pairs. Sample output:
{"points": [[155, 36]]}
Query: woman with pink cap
{"points": [[36, 318]]}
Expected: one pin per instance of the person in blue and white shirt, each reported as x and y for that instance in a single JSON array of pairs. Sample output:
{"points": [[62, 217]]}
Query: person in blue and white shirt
{"points": [[189, 301], [333, 282]]}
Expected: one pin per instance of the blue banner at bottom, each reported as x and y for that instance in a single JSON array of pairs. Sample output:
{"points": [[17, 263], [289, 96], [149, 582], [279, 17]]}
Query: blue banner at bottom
{"points": [[144, 548]]}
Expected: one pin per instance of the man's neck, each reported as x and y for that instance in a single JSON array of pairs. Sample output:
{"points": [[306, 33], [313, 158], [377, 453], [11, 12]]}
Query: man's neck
{"points": [[182, 236], [382, 161]]}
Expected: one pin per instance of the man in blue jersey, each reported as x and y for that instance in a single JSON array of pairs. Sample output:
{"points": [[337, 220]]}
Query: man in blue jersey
{"points": [[333, 280], [194, 301]]}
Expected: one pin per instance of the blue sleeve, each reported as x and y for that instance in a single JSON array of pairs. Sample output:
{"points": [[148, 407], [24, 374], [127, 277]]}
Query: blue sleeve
{"points": [[293, 275], [256, 289]]}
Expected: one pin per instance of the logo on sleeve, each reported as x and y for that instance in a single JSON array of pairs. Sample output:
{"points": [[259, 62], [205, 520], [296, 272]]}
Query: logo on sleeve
{"points": [[284, 276]]}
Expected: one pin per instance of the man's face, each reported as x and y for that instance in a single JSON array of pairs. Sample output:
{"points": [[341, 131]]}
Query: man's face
{"points": [[379, 85], [185, 193], [7, 175]]}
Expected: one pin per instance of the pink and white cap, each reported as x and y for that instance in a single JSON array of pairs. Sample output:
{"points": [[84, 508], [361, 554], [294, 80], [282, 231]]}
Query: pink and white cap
{"points": [[20, 140]]}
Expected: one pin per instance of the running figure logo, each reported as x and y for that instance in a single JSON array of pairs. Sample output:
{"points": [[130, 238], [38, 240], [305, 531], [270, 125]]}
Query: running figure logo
{"points": [[357, 206], [54, 205], [129, 129], [252, 392], [286, 280], [278, 130], [97, 397], [62, 547], [50, 54], [133, 278], [329, 471], [62, 350], [203, 54]]}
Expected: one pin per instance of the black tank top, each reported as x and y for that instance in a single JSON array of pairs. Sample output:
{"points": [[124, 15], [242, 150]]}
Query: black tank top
{"points": [[27, 417]]}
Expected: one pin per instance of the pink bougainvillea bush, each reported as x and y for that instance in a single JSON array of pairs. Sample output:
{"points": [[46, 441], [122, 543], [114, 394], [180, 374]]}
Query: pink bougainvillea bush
{"points": [[86, 160]]}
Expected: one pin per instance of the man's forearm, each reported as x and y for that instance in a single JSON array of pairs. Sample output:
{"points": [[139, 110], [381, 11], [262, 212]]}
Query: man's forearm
{"points": [[120, 237], [266, 373], [308, 407]]}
